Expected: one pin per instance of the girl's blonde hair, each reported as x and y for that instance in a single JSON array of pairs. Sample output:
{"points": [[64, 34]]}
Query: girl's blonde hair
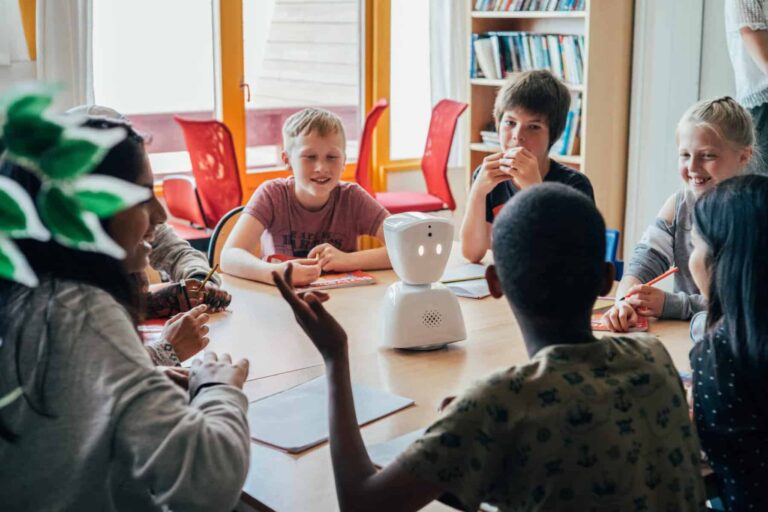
{"points": [[729, 121]]}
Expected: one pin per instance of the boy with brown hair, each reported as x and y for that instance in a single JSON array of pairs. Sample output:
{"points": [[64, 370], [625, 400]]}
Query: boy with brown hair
{"points": [[310, 215], [530, 112]]}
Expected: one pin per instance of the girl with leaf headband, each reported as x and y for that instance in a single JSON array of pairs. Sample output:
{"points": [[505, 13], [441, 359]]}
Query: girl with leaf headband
{"points": [[79, 397]]}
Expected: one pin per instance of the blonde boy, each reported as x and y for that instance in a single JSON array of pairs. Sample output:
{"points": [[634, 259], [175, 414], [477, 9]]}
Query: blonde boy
{"points": [[530, 112], [310, 215]]}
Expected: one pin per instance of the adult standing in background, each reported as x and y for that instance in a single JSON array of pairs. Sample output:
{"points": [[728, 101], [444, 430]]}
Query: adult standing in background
{"points": [[746, 27]]}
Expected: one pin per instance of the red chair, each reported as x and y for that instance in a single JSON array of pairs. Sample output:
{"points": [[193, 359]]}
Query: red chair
{"points": [[214, 167], [434, 164], [362, 171], [183, 204]]}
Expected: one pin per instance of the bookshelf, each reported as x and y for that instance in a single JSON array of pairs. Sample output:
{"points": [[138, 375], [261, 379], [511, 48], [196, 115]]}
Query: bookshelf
{"points": [[606, 28]]}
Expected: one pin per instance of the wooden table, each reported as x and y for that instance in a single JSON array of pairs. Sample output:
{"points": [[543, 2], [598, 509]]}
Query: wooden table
{"points": [[262, 328]]}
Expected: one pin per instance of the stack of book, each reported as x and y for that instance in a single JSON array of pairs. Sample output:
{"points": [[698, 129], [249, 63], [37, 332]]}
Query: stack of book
{"points": [[490, 137], [529, 5], [495, 54]]}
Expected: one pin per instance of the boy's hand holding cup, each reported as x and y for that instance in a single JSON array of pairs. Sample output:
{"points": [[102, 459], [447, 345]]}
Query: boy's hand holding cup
{"points": [[522, 166], [492, 172]]}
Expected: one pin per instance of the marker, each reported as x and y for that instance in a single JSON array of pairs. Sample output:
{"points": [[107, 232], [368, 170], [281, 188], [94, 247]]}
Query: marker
{"points": [[654, 281]]}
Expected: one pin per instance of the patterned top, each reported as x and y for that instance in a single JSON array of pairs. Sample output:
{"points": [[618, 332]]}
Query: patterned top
{"points": [[594, 426], [732, 418], [751, 81]]}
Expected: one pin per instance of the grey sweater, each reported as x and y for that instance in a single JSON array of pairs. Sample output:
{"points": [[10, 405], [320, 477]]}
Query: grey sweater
{"points": [[119, 435], [179, 260], [664, 245]]}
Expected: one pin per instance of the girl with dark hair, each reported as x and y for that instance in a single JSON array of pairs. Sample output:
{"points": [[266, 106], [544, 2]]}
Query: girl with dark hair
{"points": [[95, 414], [729, 263]]}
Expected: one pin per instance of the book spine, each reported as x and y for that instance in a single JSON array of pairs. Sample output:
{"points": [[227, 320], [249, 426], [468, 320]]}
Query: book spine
{"points": [[567, 132]]}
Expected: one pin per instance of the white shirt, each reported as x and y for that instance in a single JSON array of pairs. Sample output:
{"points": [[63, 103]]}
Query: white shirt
{"points": [[751, 81]]}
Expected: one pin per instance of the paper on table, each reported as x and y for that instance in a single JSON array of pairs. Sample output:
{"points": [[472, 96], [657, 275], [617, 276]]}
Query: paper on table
{"points": [[465, 272], [297, 419], [382, 454], [475, 289]]}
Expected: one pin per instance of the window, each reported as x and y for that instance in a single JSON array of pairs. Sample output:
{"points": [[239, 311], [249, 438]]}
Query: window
{"points": [[151, 63], [297, 55]]}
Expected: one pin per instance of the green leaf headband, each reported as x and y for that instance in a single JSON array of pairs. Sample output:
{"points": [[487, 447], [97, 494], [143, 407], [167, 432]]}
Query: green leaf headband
{"points": [[70, 202], [61, 154]]}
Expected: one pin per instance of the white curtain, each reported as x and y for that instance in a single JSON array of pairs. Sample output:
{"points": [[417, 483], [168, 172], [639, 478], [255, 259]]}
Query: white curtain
{"points": [[449, 64], [64, 49]]}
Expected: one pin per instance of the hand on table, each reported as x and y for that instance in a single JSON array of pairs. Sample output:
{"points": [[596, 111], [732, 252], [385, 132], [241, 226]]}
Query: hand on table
{"points": [[332, 259], [214, 370]]}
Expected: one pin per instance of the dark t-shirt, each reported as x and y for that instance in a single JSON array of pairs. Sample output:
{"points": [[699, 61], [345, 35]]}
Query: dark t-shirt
{"points": [[558, 173]]}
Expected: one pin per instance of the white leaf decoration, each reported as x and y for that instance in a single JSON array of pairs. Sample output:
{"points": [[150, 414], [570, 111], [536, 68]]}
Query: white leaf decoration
{"points": [[22, 271], [35, 228], [10, 397], [130, 193]]}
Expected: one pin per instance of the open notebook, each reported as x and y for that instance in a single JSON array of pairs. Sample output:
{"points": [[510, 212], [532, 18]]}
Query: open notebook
{"points": [[467, 280], [330, 281], [297, 419]]}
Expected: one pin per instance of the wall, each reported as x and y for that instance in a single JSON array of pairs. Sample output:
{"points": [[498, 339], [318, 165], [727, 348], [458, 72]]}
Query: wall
{"points": [[14, 64], [716, 69], [680, 56]]}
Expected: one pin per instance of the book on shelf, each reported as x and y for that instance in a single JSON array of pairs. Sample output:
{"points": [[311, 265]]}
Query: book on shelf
{"points": [[529, 5], [496, 54], [569, 141], [490, 137]]}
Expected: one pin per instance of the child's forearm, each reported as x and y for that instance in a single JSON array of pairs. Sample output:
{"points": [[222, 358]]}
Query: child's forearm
{"points": [[625, 284], [351, 463], [371, 259], [475, 241], [241, 263]]}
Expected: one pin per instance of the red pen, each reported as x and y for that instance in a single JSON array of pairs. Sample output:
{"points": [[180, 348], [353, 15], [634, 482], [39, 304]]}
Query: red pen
{"points": [[654, 281]]}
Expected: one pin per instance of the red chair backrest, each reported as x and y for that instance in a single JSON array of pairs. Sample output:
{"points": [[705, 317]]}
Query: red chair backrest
{"points": [[434, 163], [214, 166], [182, 200], [363, 171]]}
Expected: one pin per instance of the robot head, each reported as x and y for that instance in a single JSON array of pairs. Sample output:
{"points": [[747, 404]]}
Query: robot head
{"points": [[418, 246]]}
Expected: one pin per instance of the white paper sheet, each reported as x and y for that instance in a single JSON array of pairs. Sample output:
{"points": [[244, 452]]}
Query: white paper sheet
{"points": [[297, 419]]}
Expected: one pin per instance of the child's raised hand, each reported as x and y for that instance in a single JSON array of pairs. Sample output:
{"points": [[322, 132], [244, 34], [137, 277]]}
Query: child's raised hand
{"points": [[492, 172], [620, 317], [523, 167], [304, 271], [331, 259], [647, 300], [326, 334]]}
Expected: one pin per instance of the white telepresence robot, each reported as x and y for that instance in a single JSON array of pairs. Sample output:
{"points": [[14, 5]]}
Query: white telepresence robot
{"points": [[419, 312]]}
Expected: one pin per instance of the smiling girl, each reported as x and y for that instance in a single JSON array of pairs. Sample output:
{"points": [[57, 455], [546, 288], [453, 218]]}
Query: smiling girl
{"points": [[715, 141]]}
